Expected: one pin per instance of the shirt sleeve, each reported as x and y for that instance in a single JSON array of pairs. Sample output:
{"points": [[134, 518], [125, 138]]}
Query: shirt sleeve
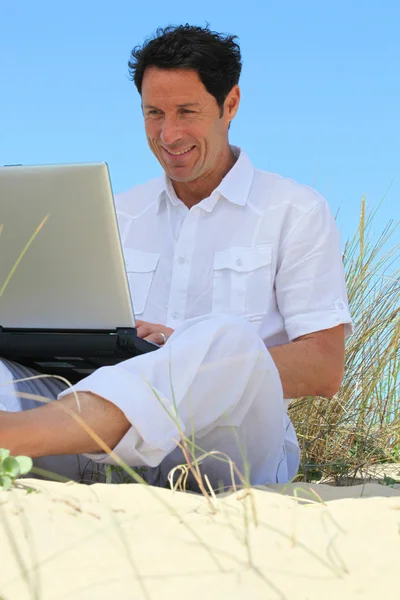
{"points": [[310, 283]]}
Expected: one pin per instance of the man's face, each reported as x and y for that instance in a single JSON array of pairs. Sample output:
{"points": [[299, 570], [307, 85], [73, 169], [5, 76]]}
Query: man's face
{"points": [[183, 122]]}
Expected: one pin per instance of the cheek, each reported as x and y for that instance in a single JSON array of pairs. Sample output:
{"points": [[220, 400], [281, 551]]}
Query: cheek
{"points": [[152, 130]]}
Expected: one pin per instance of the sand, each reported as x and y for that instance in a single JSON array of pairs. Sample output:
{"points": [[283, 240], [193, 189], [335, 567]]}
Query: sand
{"points": [[126, 541]]}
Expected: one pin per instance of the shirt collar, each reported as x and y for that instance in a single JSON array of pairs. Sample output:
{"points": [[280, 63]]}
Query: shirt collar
{"points": [[235, 186]]}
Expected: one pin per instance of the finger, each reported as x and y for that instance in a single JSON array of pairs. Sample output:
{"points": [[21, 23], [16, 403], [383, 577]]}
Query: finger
{"points": [[144, 330], [156, 338], [139, 322]]}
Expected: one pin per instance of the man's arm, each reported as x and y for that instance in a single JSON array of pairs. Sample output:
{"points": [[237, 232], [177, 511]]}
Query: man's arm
{"points": [[311, 365]]}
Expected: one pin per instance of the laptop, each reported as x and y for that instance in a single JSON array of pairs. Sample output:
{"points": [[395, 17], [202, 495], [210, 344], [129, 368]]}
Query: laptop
{"points": [[65, 303]]}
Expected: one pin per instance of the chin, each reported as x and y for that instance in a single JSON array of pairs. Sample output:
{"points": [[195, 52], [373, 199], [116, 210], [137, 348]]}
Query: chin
{"points": [[184, 178]]}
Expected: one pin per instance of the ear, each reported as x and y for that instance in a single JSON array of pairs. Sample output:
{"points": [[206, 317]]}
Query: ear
{"points": [[231, 104]]}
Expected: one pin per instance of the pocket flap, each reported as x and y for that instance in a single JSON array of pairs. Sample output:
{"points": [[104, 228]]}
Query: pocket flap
{"points": [[243, 259], [137, 261]]}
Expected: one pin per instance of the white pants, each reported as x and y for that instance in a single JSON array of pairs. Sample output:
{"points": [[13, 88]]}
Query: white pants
{"points": [[214, 380]]}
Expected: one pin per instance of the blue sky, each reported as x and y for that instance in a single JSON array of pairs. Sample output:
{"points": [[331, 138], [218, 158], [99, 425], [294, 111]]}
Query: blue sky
{"points": [[320, 90]]}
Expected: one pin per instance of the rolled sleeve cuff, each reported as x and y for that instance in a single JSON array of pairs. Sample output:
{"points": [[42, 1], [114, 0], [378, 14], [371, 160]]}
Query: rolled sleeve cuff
{"points": [[303, 324], [126, 450], [154, 432]]}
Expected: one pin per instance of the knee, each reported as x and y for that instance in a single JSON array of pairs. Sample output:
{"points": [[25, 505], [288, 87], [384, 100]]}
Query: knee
{"points": [[222, 334], [240, 338], [240, 330]]}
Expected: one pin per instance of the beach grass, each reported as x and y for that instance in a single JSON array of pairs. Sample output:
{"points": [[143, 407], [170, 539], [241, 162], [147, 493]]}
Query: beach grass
{"points": [[341, 438]]}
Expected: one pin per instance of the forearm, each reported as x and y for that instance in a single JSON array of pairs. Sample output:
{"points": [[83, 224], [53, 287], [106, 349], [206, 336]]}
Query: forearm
{"points": [[309, 367], [56, 428]]}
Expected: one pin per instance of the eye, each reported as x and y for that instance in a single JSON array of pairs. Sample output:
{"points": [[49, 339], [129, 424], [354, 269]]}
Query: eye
{"points": [[186, 110]]}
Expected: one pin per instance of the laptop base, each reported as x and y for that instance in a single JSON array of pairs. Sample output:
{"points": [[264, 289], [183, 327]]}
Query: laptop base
{"points": [[73, 354]]}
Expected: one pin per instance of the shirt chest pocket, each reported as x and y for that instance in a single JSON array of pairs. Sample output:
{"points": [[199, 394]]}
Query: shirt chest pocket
{"points": [[242, 280], [140, 268]]}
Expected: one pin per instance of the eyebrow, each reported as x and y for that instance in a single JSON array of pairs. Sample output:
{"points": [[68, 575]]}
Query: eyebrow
{"points": [[178, 105]]}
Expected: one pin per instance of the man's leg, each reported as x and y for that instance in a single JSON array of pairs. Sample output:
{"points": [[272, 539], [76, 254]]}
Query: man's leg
{"points": [[214, 380], [15, 382]]}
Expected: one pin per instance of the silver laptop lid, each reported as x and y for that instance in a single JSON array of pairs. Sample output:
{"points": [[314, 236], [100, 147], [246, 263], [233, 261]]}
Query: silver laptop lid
{"points": [[72, 272]]}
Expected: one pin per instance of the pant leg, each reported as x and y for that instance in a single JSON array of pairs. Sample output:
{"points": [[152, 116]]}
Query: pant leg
{"points": [[214, 380], [77, 468]]}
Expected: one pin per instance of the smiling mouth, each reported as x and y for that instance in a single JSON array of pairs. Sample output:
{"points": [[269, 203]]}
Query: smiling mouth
{"points": [[180, 152]]}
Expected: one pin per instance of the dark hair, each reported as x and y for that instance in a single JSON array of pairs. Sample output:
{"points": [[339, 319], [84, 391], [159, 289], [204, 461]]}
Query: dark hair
{"points": [[215, 57]]}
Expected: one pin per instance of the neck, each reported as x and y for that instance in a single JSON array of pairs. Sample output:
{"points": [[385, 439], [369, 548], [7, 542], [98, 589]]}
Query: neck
{"points": [[193, 192]]}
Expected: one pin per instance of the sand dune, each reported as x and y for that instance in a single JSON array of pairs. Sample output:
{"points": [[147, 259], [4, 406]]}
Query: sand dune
{"points": [[131, 542]]}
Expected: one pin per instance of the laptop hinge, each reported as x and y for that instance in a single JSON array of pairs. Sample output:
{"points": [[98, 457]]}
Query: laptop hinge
{"points": [[124, 336]]}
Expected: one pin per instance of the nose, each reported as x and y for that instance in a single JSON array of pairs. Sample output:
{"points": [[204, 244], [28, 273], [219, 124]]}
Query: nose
{"points": [[170, 131]]}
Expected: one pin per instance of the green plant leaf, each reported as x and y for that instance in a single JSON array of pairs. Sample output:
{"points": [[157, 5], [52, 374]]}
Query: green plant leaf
{"points": [[11, 467], [25, 464], [5, 481], [3, 454], [389, 481]]}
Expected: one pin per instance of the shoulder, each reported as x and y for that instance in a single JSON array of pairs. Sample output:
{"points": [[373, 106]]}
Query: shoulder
{"points": [[140, 198], [286, 207], [271, 191]]}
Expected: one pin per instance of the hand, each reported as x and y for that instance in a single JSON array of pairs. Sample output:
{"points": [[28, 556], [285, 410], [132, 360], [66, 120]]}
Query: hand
{"points": [[151, 332]]}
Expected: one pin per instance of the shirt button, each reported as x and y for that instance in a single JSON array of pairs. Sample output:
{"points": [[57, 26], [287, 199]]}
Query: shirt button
{"points": [[239, 262], [181, 260], [174, 316]]}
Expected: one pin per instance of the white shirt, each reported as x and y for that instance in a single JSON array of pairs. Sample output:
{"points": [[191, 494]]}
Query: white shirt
{"points": [[261, 247]]}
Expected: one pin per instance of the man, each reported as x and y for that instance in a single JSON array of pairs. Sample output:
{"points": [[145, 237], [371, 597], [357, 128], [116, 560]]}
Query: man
{"points": [[239, 272]]}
